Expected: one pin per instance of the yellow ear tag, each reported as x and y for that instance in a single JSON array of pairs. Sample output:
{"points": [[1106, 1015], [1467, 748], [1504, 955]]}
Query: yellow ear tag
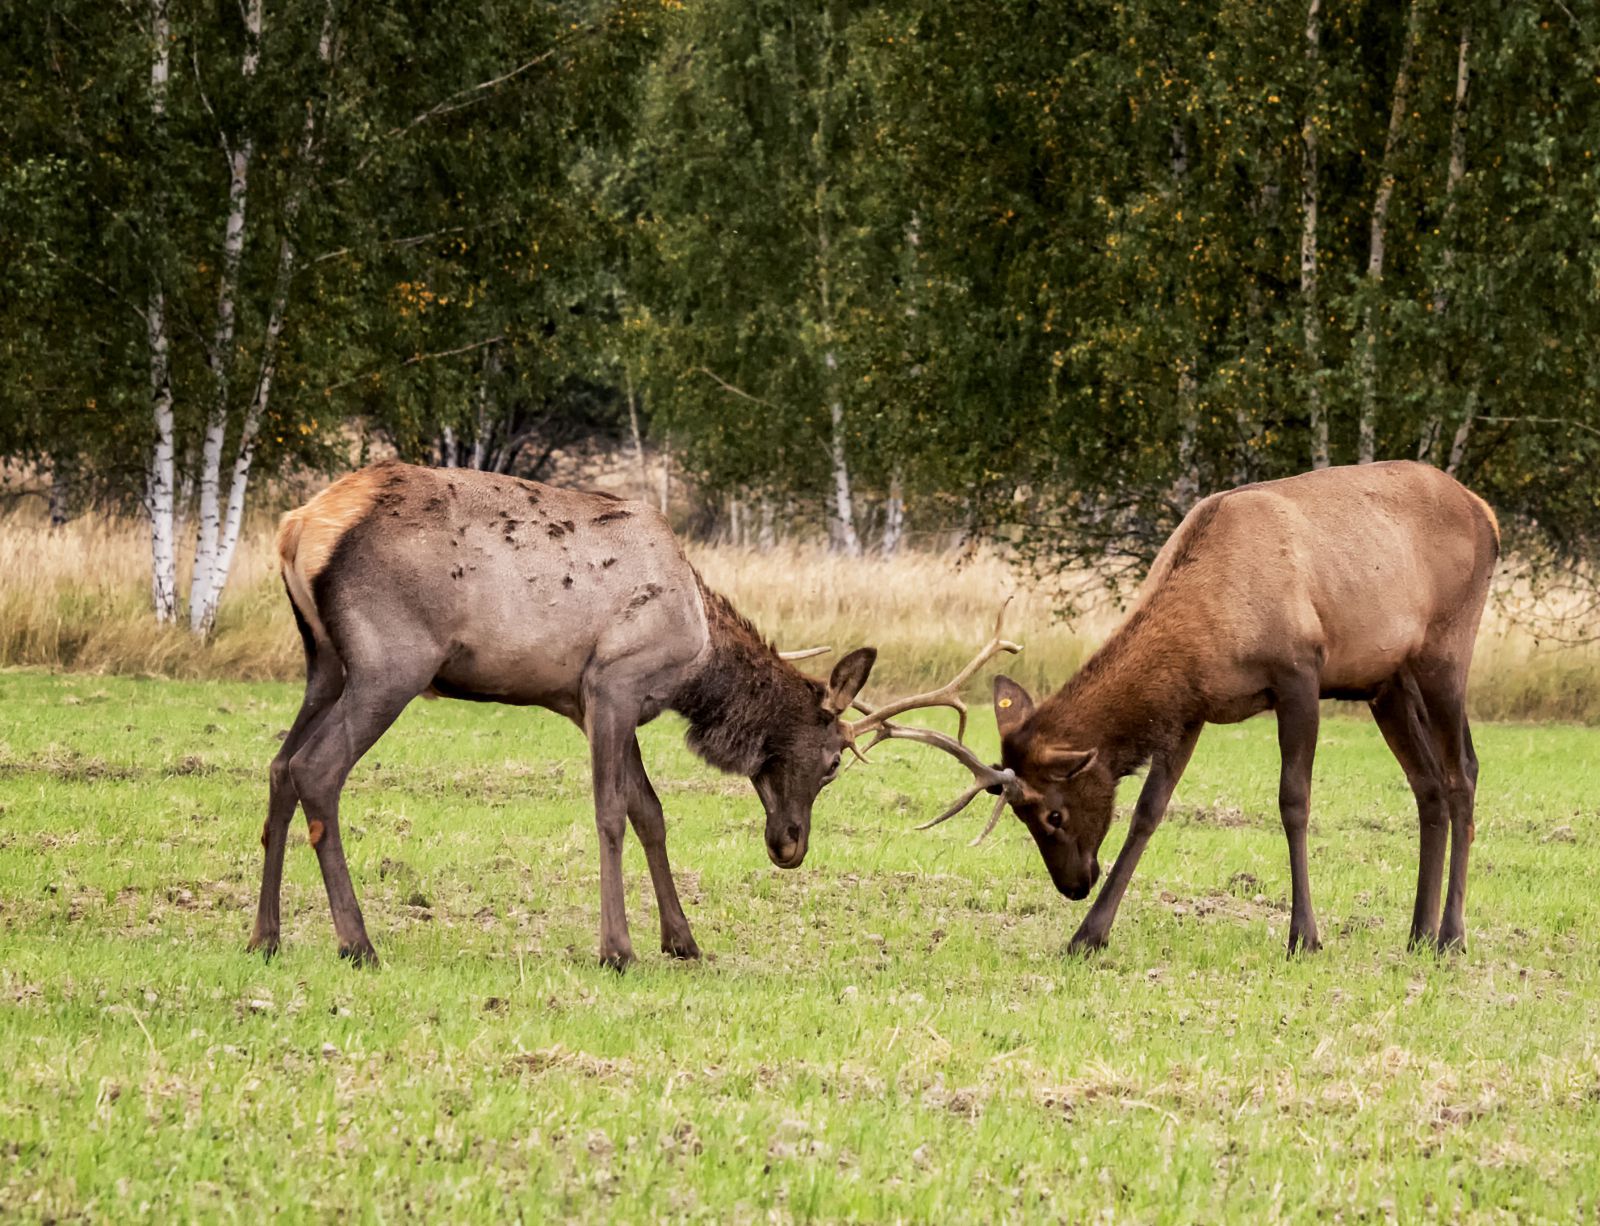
{"points": [[1004, 703]]}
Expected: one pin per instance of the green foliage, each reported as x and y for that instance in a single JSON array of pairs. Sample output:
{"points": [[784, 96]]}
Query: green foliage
{"points": [[1045, 258]]}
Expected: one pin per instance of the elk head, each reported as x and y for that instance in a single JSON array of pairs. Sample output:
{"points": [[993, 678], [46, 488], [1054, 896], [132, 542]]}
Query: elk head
{"points": [[805, 757], [1063, 795]]}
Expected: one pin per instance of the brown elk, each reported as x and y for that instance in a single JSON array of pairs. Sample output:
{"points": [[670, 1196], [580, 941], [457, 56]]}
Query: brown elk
{"points": [[1363, 583], [470, 585]]}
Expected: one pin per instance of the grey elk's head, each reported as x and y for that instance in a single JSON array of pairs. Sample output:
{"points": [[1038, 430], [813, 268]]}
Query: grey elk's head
{"points": [[806, 758], [1064, 795]]}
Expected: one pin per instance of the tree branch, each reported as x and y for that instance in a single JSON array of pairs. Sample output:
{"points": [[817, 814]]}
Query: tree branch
{"points": [[413, 360]]}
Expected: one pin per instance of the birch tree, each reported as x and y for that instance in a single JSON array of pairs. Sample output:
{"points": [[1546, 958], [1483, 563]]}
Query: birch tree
{"points": [[160, 480]]}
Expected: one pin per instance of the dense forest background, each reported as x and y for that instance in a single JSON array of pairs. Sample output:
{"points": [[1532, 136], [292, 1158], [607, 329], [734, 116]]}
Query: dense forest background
{"points": [[1048, 272]]}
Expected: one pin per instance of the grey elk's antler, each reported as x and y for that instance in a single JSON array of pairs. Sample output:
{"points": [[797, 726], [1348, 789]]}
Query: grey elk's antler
{"points": [[876, 720]]}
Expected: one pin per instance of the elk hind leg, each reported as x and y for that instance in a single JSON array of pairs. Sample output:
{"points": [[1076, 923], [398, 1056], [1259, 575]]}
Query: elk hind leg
{"points": [[1402, 718], [372, 700], [324, 681], [1444, 691], [610, 729], [1299, 716], [650, 824]]}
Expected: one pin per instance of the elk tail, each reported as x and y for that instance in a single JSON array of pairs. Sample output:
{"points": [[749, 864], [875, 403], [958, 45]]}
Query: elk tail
{"points": [[295, 581]]}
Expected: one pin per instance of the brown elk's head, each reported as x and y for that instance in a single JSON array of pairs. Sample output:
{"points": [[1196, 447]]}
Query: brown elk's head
{"points": [[1064, 795], [806, 758]]}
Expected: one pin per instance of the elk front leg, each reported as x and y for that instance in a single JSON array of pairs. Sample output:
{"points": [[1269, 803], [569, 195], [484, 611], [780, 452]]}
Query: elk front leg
{"points": [[610, 734], [1298, 717], [650, 824], [1147, 814]]}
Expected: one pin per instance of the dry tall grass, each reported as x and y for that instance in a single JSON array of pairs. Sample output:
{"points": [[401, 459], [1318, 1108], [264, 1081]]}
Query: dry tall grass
{"points": [[76, 598]]}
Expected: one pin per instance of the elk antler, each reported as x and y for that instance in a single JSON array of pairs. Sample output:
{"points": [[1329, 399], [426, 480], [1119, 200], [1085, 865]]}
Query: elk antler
{"points": [[948, 694], [805, 653], [986, 778]]}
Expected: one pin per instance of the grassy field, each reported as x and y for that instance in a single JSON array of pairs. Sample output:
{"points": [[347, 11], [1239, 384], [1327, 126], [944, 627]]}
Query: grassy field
{"points": [[890, 1032]]}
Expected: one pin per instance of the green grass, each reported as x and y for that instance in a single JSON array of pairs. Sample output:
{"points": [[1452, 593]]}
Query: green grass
{"points": [[890, 1032]]}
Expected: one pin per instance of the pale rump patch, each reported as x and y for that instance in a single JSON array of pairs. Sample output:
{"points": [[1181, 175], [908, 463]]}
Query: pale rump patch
{"points": [[314, 831], [308, 535]]}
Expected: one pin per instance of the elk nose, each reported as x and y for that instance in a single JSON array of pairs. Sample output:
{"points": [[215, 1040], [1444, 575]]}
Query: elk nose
{"points": [[791, 833]]}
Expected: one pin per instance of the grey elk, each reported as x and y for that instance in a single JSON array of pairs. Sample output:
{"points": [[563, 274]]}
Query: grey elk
{"points": [[1361, 583], [461, 584]]}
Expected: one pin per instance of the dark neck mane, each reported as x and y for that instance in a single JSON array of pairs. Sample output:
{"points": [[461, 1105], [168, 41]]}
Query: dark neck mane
{"points": [[743, 702]]}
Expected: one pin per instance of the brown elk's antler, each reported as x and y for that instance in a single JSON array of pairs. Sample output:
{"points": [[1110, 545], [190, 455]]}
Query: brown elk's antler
{"points": [[986, 778]]}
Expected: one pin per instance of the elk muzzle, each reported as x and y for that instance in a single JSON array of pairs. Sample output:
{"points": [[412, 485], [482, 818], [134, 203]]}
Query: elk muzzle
{"points": [[786, 841]]}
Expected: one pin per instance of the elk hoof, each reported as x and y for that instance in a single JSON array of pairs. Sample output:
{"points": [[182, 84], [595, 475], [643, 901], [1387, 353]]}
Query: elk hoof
{"points": [[1452, 942], [360, 954], [680, 948], [266, 946], [617, 960], [1085, 943], [1420, 941], [1303, 944]]}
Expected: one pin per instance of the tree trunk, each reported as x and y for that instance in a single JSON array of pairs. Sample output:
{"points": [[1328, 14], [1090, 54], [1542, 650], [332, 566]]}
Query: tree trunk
{"points": [[894, 517], [1367, 433], [666, 475], [60, 491], [768, 537], [159, 473], [1433, 430], [276, 317], [1458, 445], [1308, 242], [221, 355], [447, 448], [633, 428]]}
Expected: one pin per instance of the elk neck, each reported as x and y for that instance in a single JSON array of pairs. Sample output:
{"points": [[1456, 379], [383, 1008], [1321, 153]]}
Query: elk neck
{"points": [[1135, 696], [744, 698]]}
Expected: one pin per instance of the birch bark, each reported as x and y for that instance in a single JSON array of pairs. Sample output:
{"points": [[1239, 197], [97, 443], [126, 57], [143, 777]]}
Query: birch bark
{"points": [[159, 473], [221, 355], [266, 373]]}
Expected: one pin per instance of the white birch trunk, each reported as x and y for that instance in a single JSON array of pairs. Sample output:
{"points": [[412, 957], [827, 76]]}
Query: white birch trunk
{"points": [[276, 317], [894, 517], [844, 515], [1433, 430], [447, 448], [207, 544], [768, 536], [1367, 433], [1308, 243], [159, 473]]}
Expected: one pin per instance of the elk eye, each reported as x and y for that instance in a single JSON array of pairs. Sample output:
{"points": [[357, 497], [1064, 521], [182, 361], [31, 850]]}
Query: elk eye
{"points": [[1053, 819]]}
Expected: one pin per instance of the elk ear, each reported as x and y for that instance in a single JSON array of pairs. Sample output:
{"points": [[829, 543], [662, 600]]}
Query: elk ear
{"points": [[849, 675], [1012, 706], [1062, 764]]}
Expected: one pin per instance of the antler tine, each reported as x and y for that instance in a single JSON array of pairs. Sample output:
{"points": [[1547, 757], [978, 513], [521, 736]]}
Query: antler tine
{"points": [[804, 653], [994, 819], [948, 694], [985, 776], [965, 799]]}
